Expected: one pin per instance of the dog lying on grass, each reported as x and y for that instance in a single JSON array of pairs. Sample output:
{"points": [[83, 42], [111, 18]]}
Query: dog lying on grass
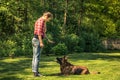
{"points": [[67, 68]]}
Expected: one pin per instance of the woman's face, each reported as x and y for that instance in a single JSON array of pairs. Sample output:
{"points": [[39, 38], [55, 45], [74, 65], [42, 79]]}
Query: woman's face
{"points": [[47, 19]]}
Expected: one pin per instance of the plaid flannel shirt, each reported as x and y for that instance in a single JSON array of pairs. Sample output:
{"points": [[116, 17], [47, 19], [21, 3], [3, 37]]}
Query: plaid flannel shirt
{"points": [[39, 28]]}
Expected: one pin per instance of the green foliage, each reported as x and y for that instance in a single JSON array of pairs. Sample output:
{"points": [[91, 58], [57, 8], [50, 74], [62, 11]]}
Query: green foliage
{"points": [[59, 49], [7, 48], [24, 44], [6, 22], [71, 42], [81, 45], [118, 28], [92, 42], [87, 22]]}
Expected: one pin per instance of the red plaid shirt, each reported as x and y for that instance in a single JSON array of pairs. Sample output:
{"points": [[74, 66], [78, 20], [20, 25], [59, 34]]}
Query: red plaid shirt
{"points": [[39, 28]]}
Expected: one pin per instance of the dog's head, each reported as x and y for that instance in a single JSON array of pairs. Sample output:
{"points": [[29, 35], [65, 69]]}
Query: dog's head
{"points": [[62, 60]]}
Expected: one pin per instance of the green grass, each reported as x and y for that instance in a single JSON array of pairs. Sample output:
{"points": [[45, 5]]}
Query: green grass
{"points": [[20, 68]]}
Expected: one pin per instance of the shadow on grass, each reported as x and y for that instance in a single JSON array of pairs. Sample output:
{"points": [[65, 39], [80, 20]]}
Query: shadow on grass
{"points": [[12, 69], [11, 78], [54, 74], [94, 56], [9, 70]]}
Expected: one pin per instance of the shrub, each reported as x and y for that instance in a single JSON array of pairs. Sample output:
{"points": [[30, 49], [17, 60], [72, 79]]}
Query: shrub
{"points": [[24, 44], [71, 42], [47, 48], [81, 45], [59, 49], [7, 48], [92, 42]]}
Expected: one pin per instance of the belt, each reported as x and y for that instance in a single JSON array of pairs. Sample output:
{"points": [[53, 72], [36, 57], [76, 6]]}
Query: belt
{"points": [[35, 36]]}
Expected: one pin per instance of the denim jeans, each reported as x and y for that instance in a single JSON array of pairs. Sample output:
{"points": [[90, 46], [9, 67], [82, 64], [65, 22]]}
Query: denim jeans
{"points": [[36, 54]]}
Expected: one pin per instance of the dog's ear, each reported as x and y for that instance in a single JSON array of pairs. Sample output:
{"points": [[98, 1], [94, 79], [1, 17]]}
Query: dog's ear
{"points": [[65, 57]]}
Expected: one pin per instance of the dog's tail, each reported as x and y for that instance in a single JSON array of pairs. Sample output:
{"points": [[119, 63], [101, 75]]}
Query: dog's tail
{"points": [[95, 72]]}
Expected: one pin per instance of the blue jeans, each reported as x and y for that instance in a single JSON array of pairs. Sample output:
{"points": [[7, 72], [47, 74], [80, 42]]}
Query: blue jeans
{"points": [[36, 54]]}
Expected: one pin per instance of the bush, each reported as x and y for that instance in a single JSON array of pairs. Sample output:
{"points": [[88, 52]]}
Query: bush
{"points": [[71, 42], [59, 49], [81, 45], [24, 44], [7, 48], [92, 42], [47, 48]]}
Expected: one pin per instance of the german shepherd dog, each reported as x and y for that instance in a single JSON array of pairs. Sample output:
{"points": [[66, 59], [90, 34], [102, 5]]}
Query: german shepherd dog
{"points": [[67, 68]]}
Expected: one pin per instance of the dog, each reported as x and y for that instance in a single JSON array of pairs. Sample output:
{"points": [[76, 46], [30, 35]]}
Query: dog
{"points": [[67, 68]]}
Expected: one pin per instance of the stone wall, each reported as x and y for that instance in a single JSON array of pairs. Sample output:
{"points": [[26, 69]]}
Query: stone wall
{"points": [[112, 44]]}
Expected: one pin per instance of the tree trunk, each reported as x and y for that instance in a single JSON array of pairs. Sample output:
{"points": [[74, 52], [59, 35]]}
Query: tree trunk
{"points": [[80, 16], [65, 16]]}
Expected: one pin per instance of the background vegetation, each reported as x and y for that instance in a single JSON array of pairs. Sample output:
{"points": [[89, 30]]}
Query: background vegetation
{"points": [[77, 26]]}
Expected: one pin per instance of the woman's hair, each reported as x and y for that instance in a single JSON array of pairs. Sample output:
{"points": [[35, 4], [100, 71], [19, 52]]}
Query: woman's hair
{"points": [[48, 14]]}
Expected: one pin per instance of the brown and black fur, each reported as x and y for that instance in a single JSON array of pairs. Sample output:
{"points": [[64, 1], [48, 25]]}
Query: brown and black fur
{"points": [[67, 68]]}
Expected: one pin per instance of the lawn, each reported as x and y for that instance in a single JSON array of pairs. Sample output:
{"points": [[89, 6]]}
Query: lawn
{"points": [[20, 68]]}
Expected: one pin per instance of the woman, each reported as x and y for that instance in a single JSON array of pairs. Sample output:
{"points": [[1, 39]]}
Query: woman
{"points": [[37, 41]]}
